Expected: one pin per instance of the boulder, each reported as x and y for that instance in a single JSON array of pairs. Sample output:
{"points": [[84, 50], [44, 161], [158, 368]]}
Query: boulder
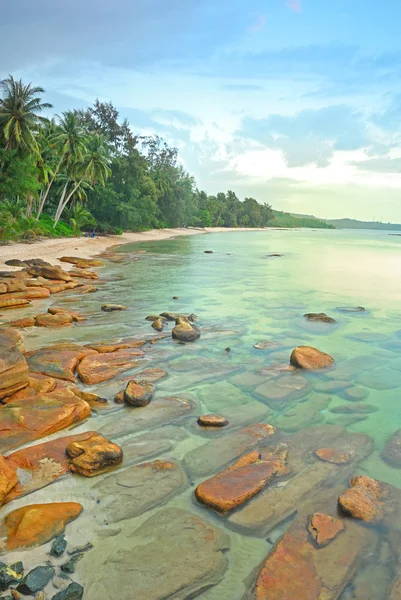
{"points": [[93, 456], [13, 366], [94, 401], [83, 273], [88, 262], [8, 479], [49, 272], [237, 484], [158, 324], [49, 320], [16, 303], [24, 322], [324, 528], [391, 452], [97, 367], [15, 262], [56, 310], [182, 553], [309, 358], [184, 331], [138, 392], [212, 421], [62, 287], [319, 318], [58, 361], [36, 524], [133, 491], [106, 347], [365, 499], [36, 580], [113, 307], [119, 398]]}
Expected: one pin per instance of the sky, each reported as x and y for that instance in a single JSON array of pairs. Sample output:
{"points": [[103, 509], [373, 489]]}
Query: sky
{"points": [[293, 102]]}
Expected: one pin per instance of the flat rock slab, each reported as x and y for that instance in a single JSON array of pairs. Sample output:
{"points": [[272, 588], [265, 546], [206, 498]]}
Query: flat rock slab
{"points": [[391, 452], [40, 465], [58, 361], [13, 366], [96, 368], [39, 416], [278, 390], [305, 413], [381, 379], [159, 411], [137, 489], [178, 557], [218, 453]]}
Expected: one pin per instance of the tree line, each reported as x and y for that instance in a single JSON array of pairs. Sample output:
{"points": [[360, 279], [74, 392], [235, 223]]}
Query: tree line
{"points": [[86, 168]]}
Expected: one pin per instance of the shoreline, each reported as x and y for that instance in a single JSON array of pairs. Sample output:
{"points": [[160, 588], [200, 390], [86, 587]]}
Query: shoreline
{"points": [[51, 249]]}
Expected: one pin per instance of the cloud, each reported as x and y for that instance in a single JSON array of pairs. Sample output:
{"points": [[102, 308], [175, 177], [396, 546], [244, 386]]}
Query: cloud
{"points": [[389, 118], [258, 25], [379, 165], [295, 5]]}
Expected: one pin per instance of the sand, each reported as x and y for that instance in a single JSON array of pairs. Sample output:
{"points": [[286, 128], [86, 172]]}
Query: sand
{"points": [[50, 249]]}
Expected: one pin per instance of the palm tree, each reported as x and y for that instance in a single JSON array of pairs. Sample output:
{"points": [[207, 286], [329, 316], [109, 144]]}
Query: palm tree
{"points": [[68, 139], [94, 168], [19, 114]]}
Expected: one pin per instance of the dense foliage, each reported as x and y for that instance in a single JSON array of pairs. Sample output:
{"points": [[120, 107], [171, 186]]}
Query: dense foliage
{"points": [[85, 168], [282, 219]]}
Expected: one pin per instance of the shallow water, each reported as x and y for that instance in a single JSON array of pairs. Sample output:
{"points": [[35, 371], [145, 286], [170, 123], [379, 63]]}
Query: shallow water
{"points": [[243, 296]]}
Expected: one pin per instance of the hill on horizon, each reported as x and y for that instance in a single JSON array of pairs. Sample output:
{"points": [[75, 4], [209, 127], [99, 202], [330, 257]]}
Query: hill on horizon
{"points": [[355, 224]]}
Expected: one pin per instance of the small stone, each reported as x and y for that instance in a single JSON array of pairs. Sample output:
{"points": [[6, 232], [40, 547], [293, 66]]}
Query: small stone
{"points": [[73, 592], [227, 350], [212, 421], [323, 528], [113, 307], [208, 252], [119, 397], [10, 575], [139, 392], [184, 331], [319, 318], [333, 456], [158, 324], [175, 298], [62, 581], [36, 580], [69, 566], [265, 345], [58, 546]]}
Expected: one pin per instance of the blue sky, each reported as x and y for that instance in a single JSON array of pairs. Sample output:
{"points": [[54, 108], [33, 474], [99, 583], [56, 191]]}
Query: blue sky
{"points": [[294, 102]]}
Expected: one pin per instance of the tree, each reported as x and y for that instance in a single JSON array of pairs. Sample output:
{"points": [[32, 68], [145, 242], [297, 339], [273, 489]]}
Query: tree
{"points": [[20, 108]]}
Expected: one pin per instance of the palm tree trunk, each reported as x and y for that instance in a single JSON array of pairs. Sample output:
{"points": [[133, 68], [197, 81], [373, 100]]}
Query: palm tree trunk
{"points": [[42, 203], [58, 211], [62, 205]]}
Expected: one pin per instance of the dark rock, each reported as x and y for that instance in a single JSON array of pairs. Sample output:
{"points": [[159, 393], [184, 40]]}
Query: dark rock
{"points": [[158, 324], [80, 549], [73, 592], [193, 318], [391, 452], [139, 392], [351, 309], [212, 421], [175, 298], [208, 252], [113, 307], [69, 566], [58, 546], [168, 316], [15, 262], [184, 331], [319, 318], [10, 575], [36, 580]]}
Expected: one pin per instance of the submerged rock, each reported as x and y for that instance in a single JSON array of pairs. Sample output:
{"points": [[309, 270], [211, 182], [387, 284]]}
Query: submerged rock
{"points": [[179, 551], [351, 309], [58, 361], [36, 524], [36, 580], [212, 421], [96, 367], [93, 456], [364, 500], [334, 456], [309, 358], [324, 528], [319, 318], [279, 389], [391, 452], [266, 345]]}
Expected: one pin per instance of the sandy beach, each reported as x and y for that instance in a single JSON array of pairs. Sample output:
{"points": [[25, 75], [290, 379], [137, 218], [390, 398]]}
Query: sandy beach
{"points": [[51, 249]]}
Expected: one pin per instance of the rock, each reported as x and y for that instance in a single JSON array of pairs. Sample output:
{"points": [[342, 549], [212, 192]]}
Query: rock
{"points": [[49, 320], [69, 566], [184, 331], [237, 484], [266, 345], [309, 358], [169, 540], [36, 524], [151, 374], [324, 528], [80, 549], [351, 309], [319, 318], [24, 322], [212, 421], [380, 379], [49, 272], [10, 575], [96, 368], [28, 420], [138, 392], [334, 456], [36, 580], [354, 394], [137, 489], [86, 289], [305, 413], [391, 452], [87, 262], [119, 398], [282, 388], [15, 262], [106, 347], [73, 592], [154, 318], [332, 386], [8, 479], [217, 453], [94, 401], [93, 456], [16, 303], [13, 366], [113, 307], [208, 252], [364, 500], [357, 408], [56, 310], [158, 324], [83, 273], [40, 465], [62, 287], [59, 361], [58, 546]]}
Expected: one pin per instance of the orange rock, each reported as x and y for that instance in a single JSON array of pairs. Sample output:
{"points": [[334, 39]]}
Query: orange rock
{"points": [[42, 464], [37, 524], [29, 294], [94, 456], [212, 421], [86, 289], [24, 322], [56, 310], [151, 374], [84, 274], [331, 455], [106, 347], [61, 287], [33, 418], [3, 288], [93, 400], [49, 272], [138, 392], [307, 357], [119, 397], [323, 528], [8, 479], [49, 320], [13, 366], [58, 361], [15, 285], [87, 262], [37, 384], [96, 368], [15, 303], [237, 484], [364, 500]]}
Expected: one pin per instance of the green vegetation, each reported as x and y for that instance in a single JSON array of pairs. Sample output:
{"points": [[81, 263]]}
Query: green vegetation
{"points": [[86, 168], [353, 224], [282, 219]]}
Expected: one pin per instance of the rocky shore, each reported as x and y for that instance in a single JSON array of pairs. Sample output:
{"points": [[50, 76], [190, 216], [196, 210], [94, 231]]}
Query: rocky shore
{"points": [[329, 528]]}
